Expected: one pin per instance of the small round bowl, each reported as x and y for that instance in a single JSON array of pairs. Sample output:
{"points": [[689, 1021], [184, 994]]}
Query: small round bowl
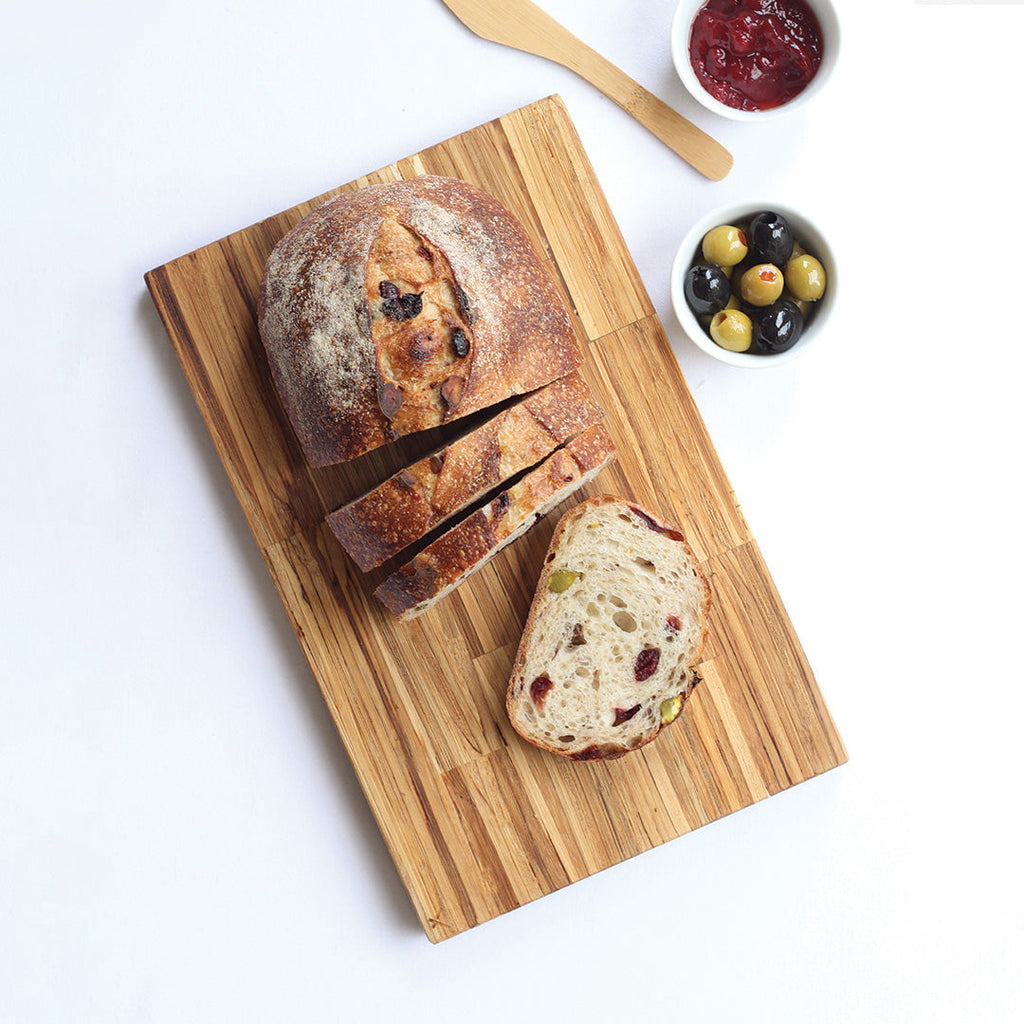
{"points": [[687, 11], [805, 232]]}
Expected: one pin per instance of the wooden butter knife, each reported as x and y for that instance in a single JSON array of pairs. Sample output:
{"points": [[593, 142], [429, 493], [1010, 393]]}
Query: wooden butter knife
{"points": [[524, 26]]}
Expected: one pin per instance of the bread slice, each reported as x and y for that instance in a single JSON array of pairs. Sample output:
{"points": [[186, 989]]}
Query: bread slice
{"points": [[397, 307], [614, 634], [475, 540], [418, 499]]}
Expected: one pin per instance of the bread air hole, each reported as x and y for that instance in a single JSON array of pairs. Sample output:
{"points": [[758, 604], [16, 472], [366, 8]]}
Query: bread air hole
{"points": [[646, 564], [624, 621], [617, 601]]}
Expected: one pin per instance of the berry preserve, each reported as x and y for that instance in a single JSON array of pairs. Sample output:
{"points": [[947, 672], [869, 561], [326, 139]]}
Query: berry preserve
{"points": [[755, 54]]}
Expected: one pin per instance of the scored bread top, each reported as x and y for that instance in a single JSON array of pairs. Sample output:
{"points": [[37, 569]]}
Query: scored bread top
{"points": [[617, 626], [399, 307]]}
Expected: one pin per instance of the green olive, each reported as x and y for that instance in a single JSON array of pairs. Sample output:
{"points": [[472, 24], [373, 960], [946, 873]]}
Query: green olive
{"points": [[805, 277], [761, 285], [724, 245], [731, 329]]}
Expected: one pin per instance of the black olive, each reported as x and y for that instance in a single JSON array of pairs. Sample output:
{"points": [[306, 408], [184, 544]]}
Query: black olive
{"points": [[771, 240], [388, 290], [778, 327], [706, 289], [460, 343]]}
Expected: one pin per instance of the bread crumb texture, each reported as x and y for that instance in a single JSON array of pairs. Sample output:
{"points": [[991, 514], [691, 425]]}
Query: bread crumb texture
{"points": [[615, 632]]}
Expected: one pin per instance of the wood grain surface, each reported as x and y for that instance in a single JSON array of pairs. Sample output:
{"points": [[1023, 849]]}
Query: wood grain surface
{"points": [[477, 821]]}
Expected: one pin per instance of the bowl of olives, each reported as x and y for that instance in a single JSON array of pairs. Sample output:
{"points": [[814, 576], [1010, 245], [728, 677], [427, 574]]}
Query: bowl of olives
{"points": [[753, 285]]}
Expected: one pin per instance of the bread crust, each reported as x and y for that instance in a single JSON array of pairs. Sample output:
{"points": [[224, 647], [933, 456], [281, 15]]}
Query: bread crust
{"points": [[398, 307], [471, 543], [601, 750], [418, 499]]}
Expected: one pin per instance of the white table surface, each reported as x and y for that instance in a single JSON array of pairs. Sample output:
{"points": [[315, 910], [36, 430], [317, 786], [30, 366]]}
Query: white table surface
{"points": [[181, 834]]}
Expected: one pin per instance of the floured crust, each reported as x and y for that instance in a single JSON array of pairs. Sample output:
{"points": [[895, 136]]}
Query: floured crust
{"points": [[416, 500], [398, 307], [471, 543], [615, 632]]}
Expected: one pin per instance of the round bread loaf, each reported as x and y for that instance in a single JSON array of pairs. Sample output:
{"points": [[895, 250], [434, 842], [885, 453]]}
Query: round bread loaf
{"points": [[398, 307]]}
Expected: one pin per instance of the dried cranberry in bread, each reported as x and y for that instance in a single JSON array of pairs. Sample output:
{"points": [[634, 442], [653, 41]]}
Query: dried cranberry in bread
{"points": [[614, 635], [475, 540], [399, 307], [416, 500]]}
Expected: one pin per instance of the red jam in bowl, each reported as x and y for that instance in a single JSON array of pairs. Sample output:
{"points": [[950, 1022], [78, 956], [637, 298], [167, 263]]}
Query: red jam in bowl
{"points": [[755, 54]]}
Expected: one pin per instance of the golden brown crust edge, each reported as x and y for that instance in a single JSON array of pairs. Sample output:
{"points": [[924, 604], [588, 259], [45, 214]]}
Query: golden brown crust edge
{"points": [[468, 545], [408, 505]]}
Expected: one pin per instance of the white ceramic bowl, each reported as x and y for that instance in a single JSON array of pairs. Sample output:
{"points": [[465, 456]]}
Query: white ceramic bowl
{"points": [[685, 13], [805, 232]]}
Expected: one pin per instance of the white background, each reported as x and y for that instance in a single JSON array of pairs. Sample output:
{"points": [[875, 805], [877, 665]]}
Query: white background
{"points": [[181, 834]]}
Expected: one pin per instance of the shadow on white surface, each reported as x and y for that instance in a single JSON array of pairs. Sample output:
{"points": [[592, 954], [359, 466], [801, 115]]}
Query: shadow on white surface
{"points": [[351, 803]]}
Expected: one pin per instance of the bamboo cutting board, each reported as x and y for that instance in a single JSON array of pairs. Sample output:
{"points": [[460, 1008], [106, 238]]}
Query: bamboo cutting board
{"points": [[477, 821]]}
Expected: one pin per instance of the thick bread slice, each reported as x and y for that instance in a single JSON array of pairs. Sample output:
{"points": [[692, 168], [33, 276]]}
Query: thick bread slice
{"points": [[473, 542], [398, 307], [416, 500], [614, 634]]}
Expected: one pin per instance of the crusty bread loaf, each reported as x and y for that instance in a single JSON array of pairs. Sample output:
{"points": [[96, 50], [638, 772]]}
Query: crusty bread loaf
{"points": [[399, 307], [472, 542], [416, 500], [614, 634]]}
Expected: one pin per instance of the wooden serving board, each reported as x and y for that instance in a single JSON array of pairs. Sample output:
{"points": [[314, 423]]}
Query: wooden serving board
{"points": [[477, 821]]}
